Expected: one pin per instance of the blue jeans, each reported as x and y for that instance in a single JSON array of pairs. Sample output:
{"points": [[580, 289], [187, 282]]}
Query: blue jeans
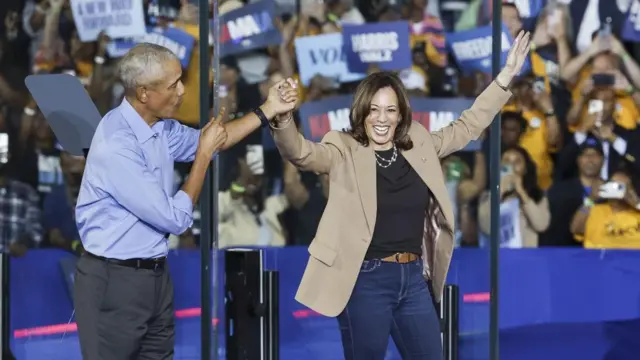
{"points": [[390, 299]]}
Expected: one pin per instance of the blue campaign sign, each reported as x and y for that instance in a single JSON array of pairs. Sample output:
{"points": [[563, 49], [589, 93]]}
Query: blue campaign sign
{"points": [[472, 49], [319, 117], [631, 28], [249, 27], [323, 55], [174, 39], [385, 44], [436, 113]]}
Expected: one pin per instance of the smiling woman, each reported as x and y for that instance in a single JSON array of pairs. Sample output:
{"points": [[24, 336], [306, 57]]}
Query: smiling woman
{"points": [[384, 243]]}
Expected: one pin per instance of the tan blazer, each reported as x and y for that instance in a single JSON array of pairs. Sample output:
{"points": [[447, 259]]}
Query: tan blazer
{"points": [[347, 224]]}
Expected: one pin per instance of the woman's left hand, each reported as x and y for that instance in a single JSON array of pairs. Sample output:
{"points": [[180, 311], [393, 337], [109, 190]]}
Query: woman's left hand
{"points": [[516, 58]]}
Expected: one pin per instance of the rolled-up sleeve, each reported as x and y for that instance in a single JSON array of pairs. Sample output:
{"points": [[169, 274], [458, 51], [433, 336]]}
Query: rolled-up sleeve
{"points": [[183, 141], [130, 182]]}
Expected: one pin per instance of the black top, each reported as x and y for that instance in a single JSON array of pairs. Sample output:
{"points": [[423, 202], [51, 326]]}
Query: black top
{"points": [[402, 203]]}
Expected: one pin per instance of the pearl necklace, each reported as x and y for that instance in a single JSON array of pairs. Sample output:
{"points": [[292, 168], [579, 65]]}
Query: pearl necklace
{"points": [[384, 163]]}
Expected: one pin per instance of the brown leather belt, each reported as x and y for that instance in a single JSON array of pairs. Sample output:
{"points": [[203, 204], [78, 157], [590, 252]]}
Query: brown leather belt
{"points": [[401, 258]]}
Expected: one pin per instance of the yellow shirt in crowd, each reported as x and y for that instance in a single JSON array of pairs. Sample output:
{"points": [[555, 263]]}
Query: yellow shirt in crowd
{"points": [[626, 115], [534, 140], [189, 111], [608, 230]]}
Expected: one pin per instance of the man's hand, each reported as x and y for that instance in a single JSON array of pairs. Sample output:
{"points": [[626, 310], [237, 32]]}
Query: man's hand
{"points": [[212, 136], [543, 102], [282, 99], [604, 132]]}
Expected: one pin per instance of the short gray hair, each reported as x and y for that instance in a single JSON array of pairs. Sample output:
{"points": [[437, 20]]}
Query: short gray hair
{"points": [[143, 65]]}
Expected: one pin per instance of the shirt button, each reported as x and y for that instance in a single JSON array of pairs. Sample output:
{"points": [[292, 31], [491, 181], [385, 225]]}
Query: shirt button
{"points": [[424, 159]]}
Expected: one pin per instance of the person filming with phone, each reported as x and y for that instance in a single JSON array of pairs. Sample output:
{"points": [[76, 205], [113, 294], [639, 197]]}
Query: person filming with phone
{"points": [[619, 144], [612, 221]]}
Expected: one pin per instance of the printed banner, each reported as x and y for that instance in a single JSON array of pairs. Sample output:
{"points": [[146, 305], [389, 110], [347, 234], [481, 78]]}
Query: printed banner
{"points": [[385, 44], [510, 235], [249, 27], [174, 39], [320, 117], [118, 18], [631, 29], [323, 55], [472, 49]]}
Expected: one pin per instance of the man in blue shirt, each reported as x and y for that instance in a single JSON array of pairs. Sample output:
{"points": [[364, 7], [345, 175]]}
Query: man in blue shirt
{"points": [[126, 207]]}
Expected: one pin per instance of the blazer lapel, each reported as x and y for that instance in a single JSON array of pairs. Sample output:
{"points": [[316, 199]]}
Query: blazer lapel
{"points": [[430, 172], [364, 163]]}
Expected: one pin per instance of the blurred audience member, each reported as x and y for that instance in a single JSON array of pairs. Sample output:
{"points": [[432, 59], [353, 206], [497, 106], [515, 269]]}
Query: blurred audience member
{"points": [[307, 195], [20, 226], [543, 134], [619, 144], [58, 213], [249, 217], [614, 223], [519, 181], [567, 196]]}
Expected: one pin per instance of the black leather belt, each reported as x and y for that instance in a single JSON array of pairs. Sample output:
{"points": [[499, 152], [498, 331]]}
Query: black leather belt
{"points": [[149, 264]]}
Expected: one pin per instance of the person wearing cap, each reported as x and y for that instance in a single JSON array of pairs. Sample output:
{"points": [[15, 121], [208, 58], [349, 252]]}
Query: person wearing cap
{"points": [[127, 206], [567, 196]]}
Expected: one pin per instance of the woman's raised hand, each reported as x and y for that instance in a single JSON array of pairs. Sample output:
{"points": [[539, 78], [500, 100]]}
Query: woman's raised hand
{"points": [[516, 58]]}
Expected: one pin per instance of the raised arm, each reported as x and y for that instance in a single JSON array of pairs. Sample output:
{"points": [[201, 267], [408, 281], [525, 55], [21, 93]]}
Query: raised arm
{"points": [[304, 154], [472, 122]]}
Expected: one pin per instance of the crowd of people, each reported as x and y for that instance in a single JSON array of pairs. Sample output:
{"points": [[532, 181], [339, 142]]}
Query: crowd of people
{"points": [[570, 138]]}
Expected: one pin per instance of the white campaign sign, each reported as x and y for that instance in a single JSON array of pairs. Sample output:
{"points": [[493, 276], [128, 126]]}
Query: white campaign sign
{"points": [[117, 18], [510, 235]]}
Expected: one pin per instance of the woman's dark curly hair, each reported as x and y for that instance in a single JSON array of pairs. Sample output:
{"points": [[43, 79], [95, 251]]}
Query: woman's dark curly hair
{"points": [[530, 177], [361, 107]]}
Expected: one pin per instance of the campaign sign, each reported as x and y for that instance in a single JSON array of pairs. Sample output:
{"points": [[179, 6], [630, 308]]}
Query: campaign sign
{"points": [[631, 29], [435, 113], [174, 39], [385, 44], [320, 117], [323, 55], [472, 49], [117, 18], [249, 27]]}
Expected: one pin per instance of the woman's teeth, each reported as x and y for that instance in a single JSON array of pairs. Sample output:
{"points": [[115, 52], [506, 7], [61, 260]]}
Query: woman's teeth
{"points": [[381, 130]]}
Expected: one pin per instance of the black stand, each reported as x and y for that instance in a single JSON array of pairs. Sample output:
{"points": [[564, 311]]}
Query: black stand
{"points": [[272, 323], [449, 320], [251, 307], [5, 330]]}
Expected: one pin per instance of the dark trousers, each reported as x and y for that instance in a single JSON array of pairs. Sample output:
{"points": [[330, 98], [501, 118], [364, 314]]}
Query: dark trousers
{"points": [[390, 299], [123, 313]]}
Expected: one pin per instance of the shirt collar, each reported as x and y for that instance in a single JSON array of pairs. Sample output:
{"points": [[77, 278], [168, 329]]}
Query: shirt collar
{"points": [[141, 129]]}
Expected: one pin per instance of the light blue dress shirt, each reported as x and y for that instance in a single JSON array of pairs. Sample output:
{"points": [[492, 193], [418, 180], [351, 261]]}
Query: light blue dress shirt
{"points": [[127, 204]]}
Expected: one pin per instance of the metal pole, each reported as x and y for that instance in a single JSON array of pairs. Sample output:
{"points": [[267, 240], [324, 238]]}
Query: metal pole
{"points": [[494, 173], [5, 316], [272, 323], [206, 200], [216, 175]]}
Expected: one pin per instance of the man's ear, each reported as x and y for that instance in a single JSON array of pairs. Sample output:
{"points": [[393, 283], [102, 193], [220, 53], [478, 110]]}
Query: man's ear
{"points": [[141, 95]]}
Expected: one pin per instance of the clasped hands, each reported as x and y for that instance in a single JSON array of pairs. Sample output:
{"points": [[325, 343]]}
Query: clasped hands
{"points": [[281, 101]]}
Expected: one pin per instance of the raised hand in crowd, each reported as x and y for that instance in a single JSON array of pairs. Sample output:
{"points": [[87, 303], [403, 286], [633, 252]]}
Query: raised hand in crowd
{"points": [[604, 132], [542, 100], [212, 136], [631, 197]]}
